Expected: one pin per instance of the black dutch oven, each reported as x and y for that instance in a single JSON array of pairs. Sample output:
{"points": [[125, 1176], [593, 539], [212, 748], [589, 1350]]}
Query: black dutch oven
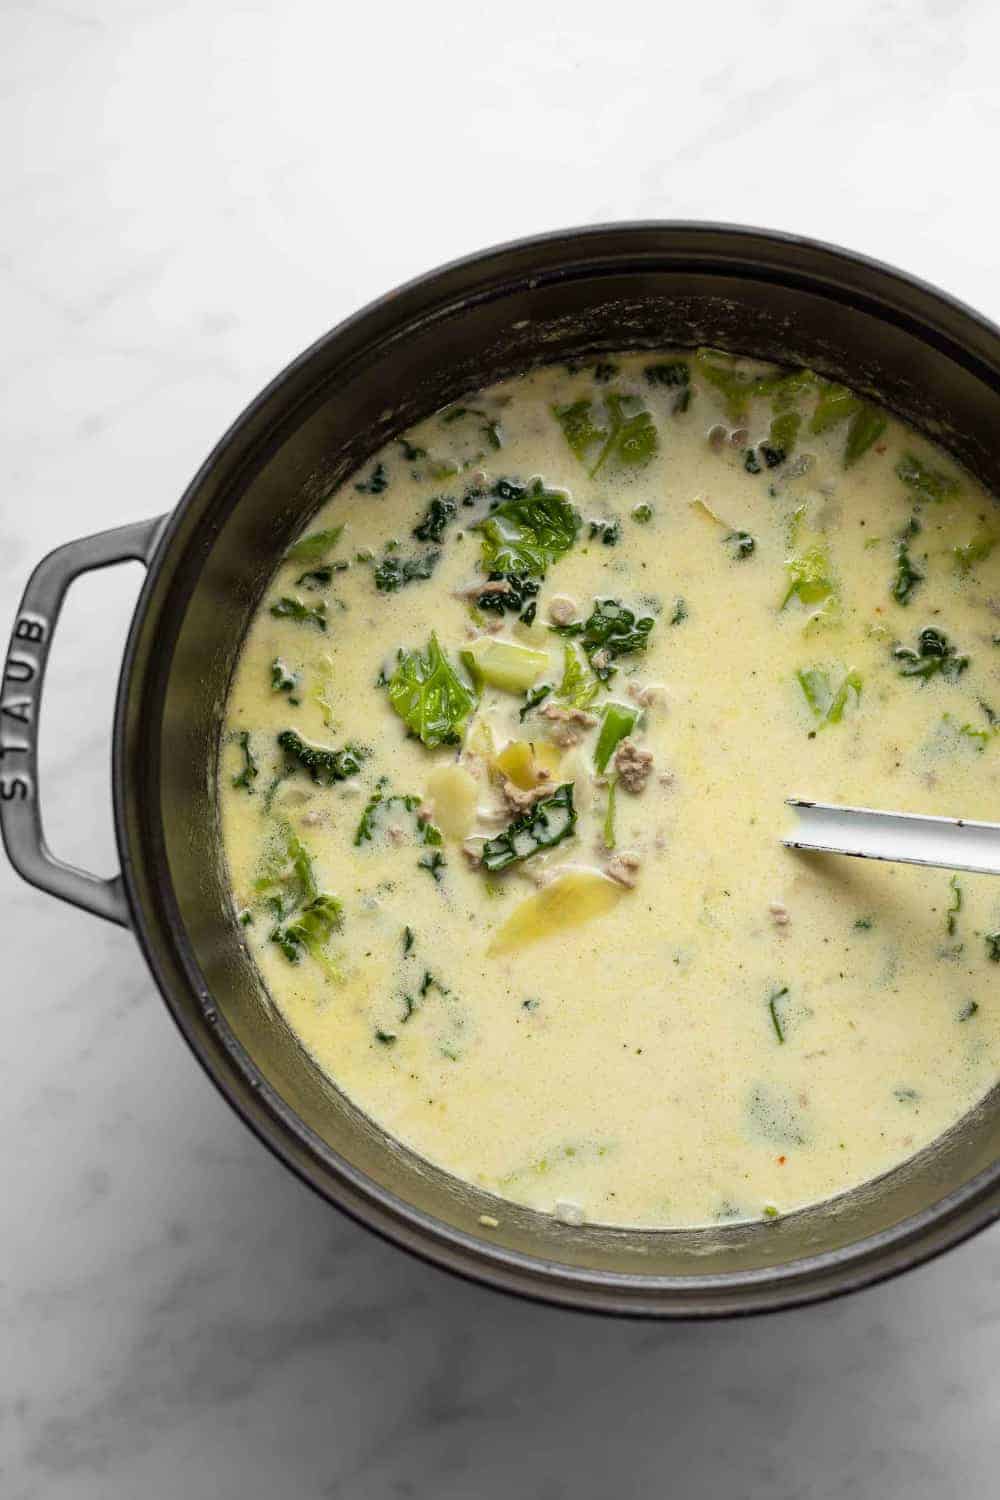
{"points": [[646, 285]]}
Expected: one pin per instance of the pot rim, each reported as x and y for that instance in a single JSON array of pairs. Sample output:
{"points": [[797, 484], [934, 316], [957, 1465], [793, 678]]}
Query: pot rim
{"points": [[807, 1279]]}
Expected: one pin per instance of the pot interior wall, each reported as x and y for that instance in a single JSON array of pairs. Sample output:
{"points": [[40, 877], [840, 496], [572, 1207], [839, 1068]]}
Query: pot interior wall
{"points": [[393, 365]]}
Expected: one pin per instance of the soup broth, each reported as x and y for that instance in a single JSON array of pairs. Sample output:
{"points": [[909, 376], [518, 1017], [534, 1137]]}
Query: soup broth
{"points": [[503, 775]]}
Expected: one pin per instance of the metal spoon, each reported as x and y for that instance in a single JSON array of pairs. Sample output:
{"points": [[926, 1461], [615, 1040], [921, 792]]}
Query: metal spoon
{"points": [[908, 838]]}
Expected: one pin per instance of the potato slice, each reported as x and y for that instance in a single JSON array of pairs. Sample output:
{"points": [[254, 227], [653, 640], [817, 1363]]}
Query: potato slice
{"points": [[453, 793], [573, 897]]}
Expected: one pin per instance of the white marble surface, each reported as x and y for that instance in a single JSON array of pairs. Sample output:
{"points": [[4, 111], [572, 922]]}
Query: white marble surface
{"points": [[193, 191]]}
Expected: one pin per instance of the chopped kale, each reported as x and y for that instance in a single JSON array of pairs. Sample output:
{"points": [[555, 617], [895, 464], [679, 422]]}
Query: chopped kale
{"points": [[926, 482], [605, 370], [955, 906], [751, 462], [642, 513], [907, 576], [520, 594], [319, 578], [576, 688], [429, 696], [992, 940], [934, 655], [250, 771], [434, 863], [294, 609], [866, 427], [611, 630], [393, 573], [427, 832], [376, 483], [680, 612], [283, 679], [782, 437], [411, 452], [810, 578], [541, 827], [610, 532], [387, 1038], [619, 431], [533, 698], [324, 766], [527, 528], [669, 373], [772, 1005], [440, 510], [977, 550], [836, 403], [741, 544], [408, 939], [826, 702], [311, 930], [968, 1010], [313, 548]]}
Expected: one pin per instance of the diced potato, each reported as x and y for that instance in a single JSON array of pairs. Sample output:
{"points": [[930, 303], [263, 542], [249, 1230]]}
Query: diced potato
{"points": [[574, 897], [522, 762], [517, 763], [505, 664], [453, 793], [548, 757]]}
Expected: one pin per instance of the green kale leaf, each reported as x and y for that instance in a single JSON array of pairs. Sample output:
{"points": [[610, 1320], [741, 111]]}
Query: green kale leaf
{"points": [[527, 528], [541, 827], [429, 696], [325, 766]]}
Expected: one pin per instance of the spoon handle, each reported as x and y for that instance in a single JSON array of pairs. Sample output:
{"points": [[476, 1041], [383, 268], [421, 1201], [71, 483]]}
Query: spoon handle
{"points": [[907, 838]]}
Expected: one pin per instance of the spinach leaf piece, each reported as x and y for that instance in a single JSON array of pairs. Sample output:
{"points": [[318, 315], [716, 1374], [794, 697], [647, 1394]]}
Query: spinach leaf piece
{"points": [[429, 696], [541, 827]]}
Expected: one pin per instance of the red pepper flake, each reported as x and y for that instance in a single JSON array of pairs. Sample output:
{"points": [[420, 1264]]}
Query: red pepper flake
{"points": [[781, 1160]]}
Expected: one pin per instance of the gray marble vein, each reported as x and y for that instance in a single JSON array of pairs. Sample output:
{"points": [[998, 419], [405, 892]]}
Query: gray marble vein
{"points": [[192, 194]]}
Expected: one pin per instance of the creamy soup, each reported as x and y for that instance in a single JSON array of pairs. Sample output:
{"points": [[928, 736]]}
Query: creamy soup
{"points": [[503, 779]]}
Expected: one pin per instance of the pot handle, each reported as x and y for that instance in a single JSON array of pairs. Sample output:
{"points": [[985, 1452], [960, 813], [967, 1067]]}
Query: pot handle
{"points": [[20, 698]]}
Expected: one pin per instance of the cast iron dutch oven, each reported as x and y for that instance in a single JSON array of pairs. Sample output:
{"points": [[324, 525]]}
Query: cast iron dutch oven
{"points": [[561, 296]]}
